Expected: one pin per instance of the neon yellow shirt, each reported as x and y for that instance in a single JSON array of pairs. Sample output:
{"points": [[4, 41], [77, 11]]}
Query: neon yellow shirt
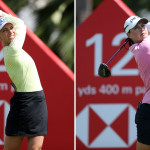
{"points": [[19, 65]]}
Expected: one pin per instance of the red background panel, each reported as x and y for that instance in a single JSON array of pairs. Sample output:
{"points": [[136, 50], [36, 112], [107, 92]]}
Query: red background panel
{"points": [[107, 22]]}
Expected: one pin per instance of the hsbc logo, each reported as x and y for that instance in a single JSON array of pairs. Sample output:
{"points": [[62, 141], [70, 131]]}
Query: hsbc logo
{"points": [[4, 109], [106, 126]]}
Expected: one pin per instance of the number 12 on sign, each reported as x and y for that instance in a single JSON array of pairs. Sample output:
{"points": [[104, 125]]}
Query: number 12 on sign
{"points": [[117, 69]]}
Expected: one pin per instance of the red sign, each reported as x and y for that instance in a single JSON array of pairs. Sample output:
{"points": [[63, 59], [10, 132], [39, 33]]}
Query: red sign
{"points": [[58, 83], [106, 106]]}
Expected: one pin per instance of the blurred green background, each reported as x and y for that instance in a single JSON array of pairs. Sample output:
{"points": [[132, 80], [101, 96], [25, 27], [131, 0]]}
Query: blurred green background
{"points": [[139, 7], [85, 7], [52, 21]]}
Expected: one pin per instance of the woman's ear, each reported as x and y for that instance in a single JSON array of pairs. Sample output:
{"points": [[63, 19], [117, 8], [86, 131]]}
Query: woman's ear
{"points": [[0, 39], [128, 34]]}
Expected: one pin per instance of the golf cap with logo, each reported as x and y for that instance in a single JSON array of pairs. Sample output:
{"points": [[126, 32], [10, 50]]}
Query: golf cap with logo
{"points": [[132, 21], [5, 20]]}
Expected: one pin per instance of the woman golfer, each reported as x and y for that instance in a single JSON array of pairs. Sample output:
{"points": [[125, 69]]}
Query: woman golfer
{"points": [[136, 29], [28, 111]]}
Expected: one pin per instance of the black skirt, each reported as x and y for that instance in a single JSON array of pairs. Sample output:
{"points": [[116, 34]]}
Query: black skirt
{"points": [[142, 120], [28, 115]]}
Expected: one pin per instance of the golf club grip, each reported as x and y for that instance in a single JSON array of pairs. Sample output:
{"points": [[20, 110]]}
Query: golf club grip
{"points": [[118, 51]]}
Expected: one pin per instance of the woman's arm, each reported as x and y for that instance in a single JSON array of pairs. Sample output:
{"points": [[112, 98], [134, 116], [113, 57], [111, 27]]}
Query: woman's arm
{"points": [[20, 29], [2, 14]]}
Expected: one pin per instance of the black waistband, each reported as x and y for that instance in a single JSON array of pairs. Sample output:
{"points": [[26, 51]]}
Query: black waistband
{"points": [[140, 104], [28, 94]]}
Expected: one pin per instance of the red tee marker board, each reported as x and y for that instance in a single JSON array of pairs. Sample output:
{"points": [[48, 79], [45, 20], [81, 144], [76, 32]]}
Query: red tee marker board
{"points": [[106, 107], [58, 84]]}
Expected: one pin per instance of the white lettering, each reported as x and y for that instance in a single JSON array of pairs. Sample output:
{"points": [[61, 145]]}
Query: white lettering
{"points": [[2, 67], [88, 90], [109, 89], [127, 90], [139, 90], [3, 86]]}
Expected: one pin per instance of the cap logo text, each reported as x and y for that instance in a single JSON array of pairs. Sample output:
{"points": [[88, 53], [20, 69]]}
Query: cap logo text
{"points": [[133, 19]]}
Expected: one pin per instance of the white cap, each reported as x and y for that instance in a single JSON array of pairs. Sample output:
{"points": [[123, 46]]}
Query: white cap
{"points": [[132, 21], [3, 21]]}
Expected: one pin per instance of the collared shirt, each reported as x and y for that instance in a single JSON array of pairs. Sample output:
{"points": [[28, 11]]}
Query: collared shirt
{"points": [[141, 52]]}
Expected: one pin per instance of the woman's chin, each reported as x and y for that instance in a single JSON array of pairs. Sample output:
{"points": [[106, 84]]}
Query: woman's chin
{"points": [[11, 38]]}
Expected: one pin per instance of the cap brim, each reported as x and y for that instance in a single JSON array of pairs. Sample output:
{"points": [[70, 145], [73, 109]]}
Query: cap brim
{"points": [[145, 20], [5, 24], [4, 21]]}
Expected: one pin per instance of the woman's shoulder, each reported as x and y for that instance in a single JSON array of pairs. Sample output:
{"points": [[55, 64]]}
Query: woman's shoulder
{"points": [[144, 43], [134, 47]]}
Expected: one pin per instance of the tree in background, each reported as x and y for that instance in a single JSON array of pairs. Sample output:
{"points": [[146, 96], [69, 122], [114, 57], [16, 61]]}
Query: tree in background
{"points": [[139, 7], [54, 24]]}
